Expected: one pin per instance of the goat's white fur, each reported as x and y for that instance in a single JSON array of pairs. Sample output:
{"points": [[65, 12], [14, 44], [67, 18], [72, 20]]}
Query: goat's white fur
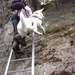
{"points": [[25, 24]]}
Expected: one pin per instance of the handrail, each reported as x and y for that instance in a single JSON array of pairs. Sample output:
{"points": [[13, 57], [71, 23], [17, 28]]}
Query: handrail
{"points": [[33, 54], [8, 63]]}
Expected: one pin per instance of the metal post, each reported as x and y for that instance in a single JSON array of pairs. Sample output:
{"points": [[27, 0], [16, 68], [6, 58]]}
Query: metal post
{"points": [[33, 54], [6, 70]]}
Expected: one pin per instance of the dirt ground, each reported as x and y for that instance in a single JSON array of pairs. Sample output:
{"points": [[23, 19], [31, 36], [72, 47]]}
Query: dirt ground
{"points": [[54, 52]]}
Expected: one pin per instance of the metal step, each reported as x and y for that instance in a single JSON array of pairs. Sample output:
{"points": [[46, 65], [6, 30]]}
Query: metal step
{"points": [[22, 70], [21, 59]]}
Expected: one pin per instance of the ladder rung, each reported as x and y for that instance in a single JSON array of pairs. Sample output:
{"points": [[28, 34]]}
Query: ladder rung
{"points": [[28, 69], [21, 59]]}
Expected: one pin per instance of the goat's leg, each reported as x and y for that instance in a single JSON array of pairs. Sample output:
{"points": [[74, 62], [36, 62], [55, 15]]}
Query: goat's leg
{"points": [[42, 28], [35, 30]]}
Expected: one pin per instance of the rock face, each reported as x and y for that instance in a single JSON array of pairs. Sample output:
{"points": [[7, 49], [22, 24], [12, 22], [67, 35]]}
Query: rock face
{"points": [[54, 52]]}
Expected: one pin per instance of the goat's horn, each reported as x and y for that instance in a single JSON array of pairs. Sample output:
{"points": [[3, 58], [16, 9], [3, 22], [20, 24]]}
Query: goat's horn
{"points": [[41, 9]]}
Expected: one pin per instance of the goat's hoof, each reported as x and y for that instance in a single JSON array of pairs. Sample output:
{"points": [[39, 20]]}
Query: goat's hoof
{"points": [[43, 33]]}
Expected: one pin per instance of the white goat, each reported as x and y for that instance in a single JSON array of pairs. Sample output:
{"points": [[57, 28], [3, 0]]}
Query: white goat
{"points": [[30, 24]]}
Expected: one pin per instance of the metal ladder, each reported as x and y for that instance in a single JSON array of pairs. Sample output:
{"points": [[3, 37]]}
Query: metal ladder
{"points": [[33, 57]]}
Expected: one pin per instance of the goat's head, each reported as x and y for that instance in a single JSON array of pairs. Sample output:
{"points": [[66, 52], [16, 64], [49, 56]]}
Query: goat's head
{"points": [[38, 14]]}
